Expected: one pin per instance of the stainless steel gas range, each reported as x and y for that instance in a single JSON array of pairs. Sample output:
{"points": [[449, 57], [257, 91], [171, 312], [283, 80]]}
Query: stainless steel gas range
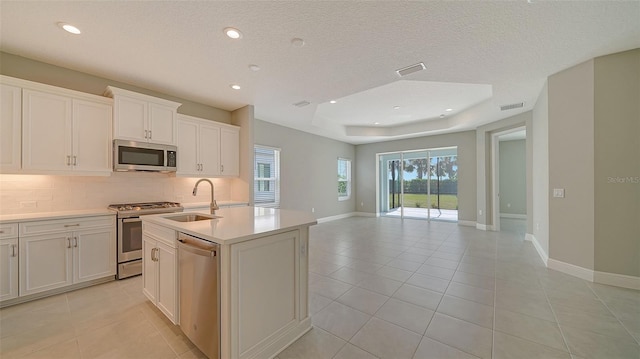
{"points": [[130, 232]]}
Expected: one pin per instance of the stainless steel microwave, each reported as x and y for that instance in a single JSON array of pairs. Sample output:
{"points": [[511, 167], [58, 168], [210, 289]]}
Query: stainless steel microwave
{"points": [[142, 156]]}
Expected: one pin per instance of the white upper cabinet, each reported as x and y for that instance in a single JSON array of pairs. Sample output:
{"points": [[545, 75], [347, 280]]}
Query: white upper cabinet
{"points": [[207, 148], [138, 117], [230, 152], [64, 134], [10, 120]]}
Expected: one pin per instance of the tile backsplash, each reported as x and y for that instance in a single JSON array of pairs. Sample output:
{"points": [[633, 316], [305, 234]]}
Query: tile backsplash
{"points": [[48, 193]]}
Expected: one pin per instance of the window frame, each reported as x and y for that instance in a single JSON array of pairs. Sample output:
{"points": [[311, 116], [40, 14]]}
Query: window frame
{"points": [[348, 180], [274, 178]]}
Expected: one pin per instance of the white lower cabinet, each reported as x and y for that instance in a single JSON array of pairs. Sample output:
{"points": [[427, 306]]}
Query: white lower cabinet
{"points": [[160, 269], [58, 253], [8, 268]]}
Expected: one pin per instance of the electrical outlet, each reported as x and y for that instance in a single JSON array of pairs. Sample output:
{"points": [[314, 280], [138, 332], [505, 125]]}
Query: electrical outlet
{"points": [[28, 204], [508, 205], [480, 212], [313, 210], [558, 192], [361, 204], [537, 226]]}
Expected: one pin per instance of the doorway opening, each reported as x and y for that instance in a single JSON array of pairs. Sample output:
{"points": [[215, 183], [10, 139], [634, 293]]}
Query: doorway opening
{"points": [[509, 184], [421, 184]]}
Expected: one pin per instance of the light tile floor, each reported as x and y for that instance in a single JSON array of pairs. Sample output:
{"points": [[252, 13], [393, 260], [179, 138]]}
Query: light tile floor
{"points": [[379, 287]]}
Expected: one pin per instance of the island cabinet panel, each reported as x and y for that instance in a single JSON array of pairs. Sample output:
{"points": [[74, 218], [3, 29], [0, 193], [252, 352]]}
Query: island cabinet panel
{"points": [[266, 287], [160, 269]]}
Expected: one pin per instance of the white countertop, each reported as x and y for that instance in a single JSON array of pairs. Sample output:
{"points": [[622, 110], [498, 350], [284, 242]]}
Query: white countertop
{"points": [[41, 216], [236, 224]]}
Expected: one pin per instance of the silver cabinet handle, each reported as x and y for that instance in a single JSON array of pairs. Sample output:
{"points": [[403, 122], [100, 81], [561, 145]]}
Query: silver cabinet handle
{"points": [[146, 134], [75, 160], [75, 242], [68, 160], [72, 225], [222, 167], [13, 250], [1, 231], [153, 257], [68, 242], [150, 135]]}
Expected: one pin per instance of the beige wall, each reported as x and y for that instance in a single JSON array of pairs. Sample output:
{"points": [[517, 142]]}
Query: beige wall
{"points": [[617, 163], [308, 169], [27, 69], [571, 165], [465, 141], [513, 177]]}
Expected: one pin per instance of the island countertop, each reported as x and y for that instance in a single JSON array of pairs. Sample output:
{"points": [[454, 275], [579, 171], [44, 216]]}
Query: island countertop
{"points": [[236, 224]]}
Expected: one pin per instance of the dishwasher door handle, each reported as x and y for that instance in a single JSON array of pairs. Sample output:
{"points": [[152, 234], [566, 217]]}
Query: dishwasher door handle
{"points": [[202, 249]]}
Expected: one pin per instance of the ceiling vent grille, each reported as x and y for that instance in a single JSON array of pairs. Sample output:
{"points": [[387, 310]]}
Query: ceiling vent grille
{"points": [[411, 69], [302, 104], [511, 106]]}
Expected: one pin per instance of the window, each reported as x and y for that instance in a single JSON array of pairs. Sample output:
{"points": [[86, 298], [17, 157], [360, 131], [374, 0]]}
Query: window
{"points": [[266, 175], [344, 179]]}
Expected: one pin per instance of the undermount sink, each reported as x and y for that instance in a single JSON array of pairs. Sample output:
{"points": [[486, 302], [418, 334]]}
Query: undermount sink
{"points": [[191, 218]]}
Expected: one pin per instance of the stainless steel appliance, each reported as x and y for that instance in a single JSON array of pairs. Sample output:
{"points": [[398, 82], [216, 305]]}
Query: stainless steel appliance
{"points": [[199, 270], [130, 232], [142, 156]]}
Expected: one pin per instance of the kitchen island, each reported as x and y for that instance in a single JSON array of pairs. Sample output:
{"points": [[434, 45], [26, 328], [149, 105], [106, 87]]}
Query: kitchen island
{"points": [[263, 274]]}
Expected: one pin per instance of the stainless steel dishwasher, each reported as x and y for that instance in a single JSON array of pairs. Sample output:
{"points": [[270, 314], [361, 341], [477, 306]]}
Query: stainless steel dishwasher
{"points": [[199, 268]]}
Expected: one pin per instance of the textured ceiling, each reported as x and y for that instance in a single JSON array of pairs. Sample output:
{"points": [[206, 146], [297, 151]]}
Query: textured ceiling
{"points": [[351, 51]]}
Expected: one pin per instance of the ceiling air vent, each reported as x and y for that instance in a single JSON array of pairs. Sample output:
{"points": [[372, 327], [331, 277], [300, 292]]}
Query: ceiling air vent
{"points": [[302, 103], [511, 106], [411, 69]]}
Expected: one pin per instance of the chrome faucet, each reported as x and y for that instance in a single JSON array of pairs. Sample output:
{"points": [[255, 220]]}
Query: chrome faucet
{"points": [[213, 205]]}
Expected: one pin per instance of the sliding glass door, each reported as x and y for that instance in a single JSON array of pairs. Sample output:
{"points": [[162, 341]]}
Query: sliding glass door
{"points": [[419, 184]]}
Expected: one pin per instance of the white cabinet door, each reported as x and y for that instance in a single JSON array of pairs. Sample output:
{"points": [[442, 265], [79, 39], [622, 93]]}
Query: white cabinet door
{"points": [[167, 280], [188, 163], [130, 119], [45, 262], [8, 268], [94, 254], [149, 269], [91, 136], [162, 124], [229, 150], [10, 127], [46, 133], [209, 150]]}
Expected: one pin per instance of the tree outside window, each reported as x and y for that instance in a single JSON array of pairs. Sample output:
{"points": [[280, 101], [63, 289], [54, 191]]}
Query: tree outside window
{"points": [[344, 179]]}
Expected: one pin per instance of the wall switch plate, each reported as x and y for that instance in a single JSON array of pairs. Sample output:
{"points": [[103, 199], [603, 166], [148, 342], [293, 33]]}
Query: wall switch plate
{"points": [[558, 192], [480, 212], [313, 210]]}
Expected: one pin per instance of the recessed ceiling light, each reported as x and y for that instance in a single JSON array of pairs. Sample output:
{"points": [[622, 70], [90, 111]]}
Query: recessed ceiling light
{"points": [[235, 87], [297, 42], [233, 33], [376, 123], [396, 107], [449, 110], [254, 67], [69, 28], [332, 101]]}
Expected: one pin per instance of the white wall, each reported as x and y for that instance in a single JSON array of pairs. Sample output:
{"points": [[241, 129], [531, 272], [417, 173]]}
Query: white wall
{"points": [[540, 181], [64, 193]]}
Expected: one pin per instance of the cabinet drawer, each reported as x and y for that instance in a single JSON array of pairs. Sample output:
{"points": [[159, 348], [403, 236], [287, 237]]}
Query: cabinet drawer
{"points": [[8, 230], [65, 225], [166, 235]]}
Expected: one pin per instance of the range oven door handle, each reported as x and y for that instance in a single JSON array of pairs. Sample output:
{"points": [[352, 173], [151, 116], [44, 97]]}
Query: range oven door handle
{"points": [[129, 220]]}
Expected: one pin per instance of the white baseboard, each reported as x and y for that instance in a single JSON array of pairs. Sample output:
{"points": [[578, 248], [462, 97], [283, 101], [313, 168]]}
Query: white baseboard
{"points": [[543, 255], [345, 215], [618, 280], [467, 223], [571, 269], [512, 215], [482, 227]]}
